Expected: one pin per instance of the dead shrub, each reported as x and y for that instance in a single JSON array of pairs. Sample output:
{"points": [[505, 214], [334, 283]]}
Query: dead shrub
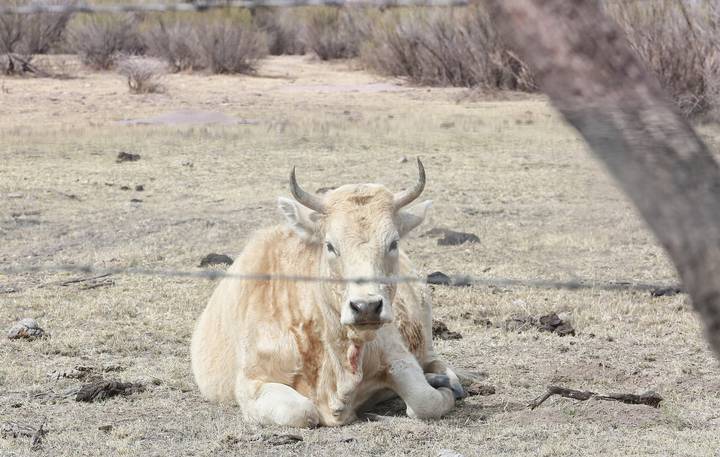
{"points": [[98, 39], [283, 29], [678, 41], [231, 47], [28, 34], [336, 33], [176, 43], [143, 74], [445, 47]]}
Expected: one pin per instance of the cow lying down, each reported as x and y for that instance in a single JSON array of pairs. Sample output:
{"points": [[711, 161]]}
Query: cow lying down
{"points": [[309, 353]]}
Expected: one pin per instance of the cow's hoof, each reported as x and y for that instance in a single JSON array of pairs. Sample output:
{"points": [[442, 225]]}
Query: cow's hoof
{"points": [[440, 380], [437, 380], [457, 390]]}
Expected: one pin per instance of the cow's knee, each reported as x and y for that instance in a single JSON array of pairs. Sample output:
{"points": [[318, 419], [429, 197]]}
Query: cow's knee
{"points": [[278, 404]]}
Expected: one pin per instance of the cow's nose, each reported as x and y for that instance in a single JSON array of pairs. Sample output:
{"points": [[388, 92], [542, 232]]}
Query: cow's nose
{"points": [[366, 310]]}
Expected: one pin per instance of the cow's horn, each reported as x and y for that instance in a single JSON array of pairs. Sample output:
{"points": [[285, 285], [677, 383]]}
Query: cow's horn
{"points": [[403, 198], [304, 198]]}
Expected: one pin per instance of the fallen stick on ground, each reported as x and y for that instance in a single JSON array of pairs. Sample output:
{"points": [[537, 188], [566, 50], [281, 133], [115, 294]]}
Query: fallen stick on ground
{"points": [[649, 398], [36, 441]]}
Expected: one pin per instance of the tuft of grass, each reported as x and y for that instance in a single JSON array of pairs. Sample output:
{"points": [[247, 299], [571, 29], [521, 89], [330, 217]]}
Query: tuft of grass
{"points": [[143, 74], [231, 47], [283, 29], [444, 47], [336, 33], [679, 42], [29, 34], [99, 39], [176, 43]]}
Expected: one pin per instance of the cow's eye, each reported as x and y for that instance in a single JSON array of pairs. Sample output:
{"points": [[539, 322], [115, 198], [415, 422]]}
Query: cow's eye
{"points": [[393, 246], [330, 248]]}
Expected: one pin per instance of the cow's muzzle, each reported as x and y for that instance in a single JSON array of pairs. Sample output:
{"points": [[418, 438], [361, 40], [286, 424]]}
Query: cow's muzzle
{"points": [[368, 312]]}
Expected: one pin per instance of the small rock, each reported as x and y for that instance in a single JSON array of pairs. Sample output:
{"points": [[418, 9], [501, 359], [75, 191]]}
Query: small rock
{"points": [[26, 328], [440, 330], [139, 188], [403, 159], [127, 157], [480, 389], [7, 290], [453, 238], [438, 277], [665, 292], [447, 237], [135, 200], [105, 428], [124, 187], [216, 259]]}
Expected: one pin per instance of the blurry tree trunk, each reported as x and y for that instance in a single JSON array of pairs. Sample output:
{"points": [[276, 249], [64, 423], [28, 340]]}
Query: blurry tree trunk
{"points": [[584, 64]]}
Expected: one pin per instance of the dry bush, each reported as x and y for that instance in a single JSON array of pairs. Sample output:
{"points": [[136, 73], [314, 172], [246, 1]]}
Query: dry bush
{"points": [[231, 47], [336, 33], [33, 33], [283, 29], [176, 43], [679, 43], [98, 39], [143, 74], [445, 47]]}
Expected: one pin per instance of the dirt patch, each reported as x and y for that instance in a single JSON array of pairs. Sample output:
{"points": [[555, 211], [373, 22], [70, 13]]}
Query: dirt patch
{"points": [[441, 331], [547, 323], [476, 388], [101, 390]]}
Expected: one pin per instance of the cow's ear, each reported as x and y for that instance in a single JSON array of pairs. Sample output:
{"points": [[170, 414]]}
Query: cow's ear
{"points": [[410, 218], [305, 222]]}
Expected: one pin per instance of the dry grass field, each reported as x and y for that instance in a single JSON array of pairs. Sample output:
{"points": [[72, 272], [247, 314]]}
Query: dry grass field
{"points": [[503, 166]]}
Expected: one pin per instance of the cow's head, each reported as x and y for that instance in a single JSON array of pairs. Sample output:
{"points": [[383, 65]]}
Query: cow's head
{"points": [[360, 227]]}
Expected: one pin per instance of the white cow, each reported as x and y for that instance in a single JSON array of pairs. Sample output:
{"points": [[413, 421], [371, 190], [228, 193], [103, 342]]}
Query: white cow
{"points": [[309, 353]]}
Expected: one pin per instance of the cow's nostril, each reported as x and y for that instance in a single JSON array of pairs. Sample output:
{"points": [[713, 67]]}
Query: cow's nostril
{"points": [[355, 307], [376, 306]]}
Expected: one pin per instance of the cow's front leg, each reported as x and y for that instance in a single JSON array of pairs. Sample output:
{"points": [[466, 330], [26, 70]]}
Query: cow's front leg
{"points": [[273, 403], [422, 400]]}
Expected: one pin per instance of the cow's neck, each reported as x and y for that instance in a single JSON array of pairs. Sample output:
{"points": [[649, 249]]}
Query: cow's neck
{"points": [[346, 347]]}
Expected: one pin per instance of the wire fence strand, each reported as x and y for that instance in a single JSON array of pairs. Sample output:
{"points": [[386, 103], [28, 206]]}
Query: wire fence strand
{"points": [[445, 280], [36, 8]]}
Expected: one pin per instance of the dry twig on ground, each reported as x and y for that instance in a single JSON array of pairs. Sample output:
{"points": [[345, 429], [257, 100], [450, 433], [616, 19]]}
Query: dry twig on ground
{"points": [[649, 398]]}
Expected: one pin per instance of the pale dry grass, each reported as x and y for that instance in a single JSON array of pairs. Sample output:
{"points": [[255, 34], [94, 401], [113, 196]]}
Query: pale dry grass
{"points": [[509, 171]]}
